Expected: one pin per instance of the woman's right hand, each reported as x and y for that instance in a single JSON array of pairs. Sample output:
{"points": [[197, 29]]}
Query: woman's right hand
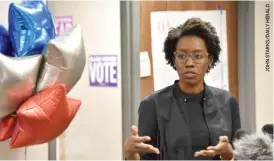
{"points": [[135, 145]]}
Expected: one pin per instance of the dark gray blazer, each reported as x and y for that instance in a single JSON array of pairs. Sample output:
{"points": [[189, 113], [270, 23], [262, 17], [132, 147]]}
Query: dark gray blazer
{"points": [[160, 118]]}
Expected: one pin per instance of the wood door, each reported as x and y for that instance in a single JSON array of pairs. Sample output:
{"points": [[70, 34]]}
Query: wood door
{"points": [[231, 17]]}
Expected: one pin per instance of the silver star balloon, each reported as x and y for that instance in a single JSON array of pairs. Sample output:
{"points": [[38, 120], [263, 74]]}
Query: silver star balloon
{"points": [[17, 81], [65, 60]]}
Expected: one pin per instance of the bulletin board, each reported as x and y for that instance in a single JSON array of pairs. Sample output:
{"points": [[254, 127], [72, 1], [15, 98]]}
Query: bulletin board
{"points": [[146, 7]]}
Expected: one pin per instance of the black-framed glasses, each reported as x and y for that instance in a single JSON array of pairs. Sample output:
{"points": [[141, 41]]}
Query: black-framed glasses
{"points": [[197, 57]]}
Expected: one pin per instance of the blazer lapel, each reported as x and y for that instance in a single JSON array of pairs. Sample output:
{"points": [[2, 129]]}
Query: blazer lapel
{"points": [[214, 117], [175, 127], [210, 111]]}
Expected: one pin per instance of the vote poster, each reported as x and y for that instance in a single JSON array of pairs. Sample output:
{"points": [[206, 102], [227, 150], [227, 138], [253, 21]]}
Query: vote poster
{"points": [[62, 23], [103, 70]]}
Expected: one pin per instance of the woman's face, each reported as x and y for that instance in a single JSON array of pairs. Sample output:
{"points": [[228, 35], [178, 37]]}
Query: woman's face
{"points": [[191, 59]]}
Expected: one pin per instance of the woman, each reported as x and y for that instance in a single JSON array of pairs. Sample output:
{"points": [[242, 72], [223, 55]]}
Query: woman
{"points": [[187, 120]]}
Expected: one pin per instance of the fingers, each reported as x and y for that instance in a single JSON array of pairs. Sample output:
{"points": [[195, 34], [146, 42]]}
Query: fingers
{"points": [[215, 150], [223, 139], [141, 147], [134, 130], [135, 137], [140, 139], [135, 143], [212, 148], [205, 153]]}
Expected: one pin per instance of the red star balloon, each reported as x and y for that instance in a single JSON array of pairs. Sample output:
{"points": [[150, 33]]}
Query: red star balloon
{"points": [[44, 117]]}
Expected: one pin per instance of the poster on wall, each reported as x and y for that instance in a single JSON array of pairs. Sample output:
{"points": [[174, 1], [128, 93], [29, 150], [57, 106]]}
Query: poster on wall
{"points": [[103, 70], [161, 22], [62, 23]]}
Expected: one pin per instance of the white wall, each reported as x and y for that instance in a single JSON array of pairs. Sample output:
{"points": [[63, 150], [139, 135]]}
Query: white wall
{"points": [[263, 79], [30, 153], [96, 132]]}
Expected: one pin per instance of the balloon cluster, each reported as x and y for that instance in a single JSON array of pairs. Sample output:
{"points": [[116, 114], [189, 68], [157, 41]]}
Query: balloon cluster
{"points": [[37, 70]]}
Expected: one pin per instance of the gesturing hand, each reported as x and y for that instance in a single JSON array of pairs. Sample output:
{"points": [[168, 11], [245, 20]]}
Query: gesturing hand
{"points": [[223, 148], [135, 144]]}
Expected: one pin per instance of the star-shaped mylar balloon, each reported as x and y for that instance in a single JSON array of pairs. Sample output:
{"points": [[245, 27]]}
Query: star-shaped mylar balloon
{"points": [[30, 27], [17, 81], [43, 117], [65, 60], [5, 44]]}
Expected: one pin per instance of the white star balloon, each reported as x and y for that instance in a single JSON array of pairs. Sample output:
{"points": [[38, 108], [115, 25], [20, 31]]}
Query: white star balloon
{"points": [[17, 81], [65, 60]]}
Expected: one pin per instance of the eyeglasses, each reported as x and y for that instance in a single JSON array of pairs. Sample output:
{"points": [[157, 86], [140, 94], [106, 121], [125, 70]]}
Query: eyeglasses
{"points": [[197, 57]]}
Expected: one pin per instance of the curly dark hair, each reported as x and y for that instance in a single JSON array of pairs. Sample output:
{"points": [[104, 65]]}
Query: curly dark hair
{"points": [[193, 27]]}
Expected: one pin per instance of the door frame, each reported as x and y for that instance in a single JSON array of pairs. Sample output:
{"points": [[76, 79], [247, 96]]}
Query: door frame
{"points": [[246, 64], [130, 59]]}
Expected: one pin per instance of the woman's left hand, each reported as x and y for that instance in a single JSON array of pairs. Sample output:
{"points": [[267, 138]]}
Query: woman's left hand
{"points": [[223, 148]]}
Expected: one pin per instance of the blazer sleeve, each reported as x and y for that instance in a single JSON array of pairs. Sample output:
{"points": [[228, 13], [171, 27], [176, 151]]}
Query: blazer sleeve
{"points": [[235, 119], [235, 116], [147, 126]]}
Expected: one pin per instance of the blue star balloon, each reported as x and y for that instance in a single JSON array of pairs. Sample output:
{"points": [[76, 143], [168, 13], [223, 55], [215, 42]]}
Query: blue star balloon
{"points": [[30, 27], [5, 44]]}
